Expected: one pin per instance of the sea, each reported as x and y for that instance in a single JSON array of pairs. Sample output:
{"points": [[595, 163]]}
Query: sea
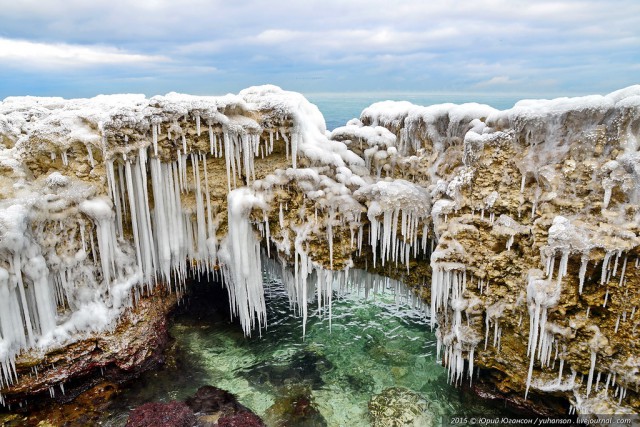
{"points": [[339, 108], [372, 362]]}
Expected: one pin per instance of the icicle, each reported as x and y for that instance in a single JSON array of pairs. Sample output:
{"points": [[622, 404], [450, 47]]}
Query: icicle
{"points": [[294, 148], [228, 160], [330, 236], [560, 370], [161, 222], [133, 215], [286, 144], [270, 141], [624, 269], [200, 213], [180, 174], [510, 242], [90, 155], [36, 270], [584, 261], [211, 142], [244, 270], [615, 263], [541, 294], [154, 132], [17, 268], [605, 263]]}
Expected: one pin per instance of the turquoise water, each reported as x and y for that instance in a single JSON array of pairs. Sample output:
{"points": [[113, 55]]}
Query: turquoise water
{"points": [[338, 108], [372, 347]]}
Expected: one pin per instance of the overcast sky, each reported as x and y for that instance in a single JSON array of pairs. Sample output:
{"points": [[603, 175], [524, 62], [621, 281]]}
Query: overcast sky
{"points": [[77, 48]]}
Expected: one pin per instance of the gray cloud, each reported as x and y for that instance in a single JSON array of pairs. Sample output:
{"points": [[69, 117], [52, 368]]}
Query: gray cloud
{"points": [[487, 44]]}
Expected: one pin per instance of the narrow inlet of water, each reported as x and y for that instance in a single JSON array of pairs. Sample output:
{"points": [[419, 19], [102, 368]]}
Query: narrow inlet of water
{"points": [[375, 349]]}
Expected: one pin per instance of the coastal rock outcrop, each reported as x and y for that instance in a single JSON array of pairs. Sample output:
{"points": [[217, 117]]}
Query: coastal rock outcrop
{"points": [[519, 227]]}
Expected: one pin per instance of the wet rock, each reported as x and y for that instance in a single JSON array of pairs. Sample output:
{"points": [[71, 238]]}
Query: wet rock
{"points": [[543, 405], [305, 367], [85, 410], [360, 380], [214, 406], [171, 414], [398, 406], [209, 400], [241, 419], [295, 407], [209, 407], [135, 345]]}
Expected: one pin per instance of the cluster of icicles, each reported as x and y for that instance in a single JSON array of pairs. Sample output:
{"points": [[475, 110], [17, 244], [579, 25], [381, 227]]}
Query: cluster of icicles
{"points": [[170, 237], [145, 202], [165, 240], [543, 292], [449, 282]]}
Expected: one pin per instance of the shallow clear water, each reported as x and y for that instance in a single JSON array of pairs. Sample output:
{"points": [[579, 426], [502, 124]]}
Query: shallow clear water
{"points": [[371, 346]]}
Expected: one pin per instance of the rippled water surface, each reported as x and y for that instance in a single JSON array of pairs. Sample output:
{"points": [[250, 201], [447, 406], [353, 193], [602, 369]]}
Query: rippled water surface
{"points": [[372, 345]]}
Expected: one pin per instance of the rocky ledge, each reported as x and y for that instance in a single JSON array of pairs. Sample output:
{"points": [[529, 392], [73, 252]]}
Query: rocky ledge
{"points": [[60, 373], [518, 227]]}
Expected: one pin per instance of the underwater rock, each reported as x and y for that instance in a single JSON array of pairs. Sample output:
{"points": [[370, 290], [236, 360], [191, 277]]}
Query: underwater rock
{"points": [[359, 380], [305, 366], [241, 419], [398, 406], [87, 409], [210, 406], [171, 414], [209, 400], [295, 406]]}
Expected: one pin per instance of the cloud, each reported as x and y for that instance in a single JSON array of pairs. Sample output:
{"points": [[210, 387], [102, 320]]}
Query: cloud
{"points": [[497, 82], [356, 44], [378, 40], [62, 55]]}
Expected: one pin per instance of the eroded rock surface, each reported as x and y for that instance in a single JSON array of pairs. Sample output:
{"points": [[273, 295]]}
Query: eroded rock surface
{"points": [[518, 227]]}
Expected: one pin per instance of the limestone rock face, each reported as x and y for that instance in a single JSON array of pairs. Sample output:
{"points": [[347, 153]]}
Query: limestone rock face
{"points": [[63, 371], [535, 214], [519, 227]]}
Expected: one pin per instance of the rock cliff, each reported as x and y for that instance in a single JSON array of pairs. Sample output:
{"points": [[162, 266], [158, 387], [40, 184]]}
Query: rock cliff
{"points": [[519, 227]]}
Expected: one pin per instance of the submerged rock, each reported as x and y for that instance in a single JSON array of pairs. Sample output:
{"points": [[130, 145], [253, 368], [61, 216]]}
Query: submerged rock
{"points": [[209, 407], [398, 407], [171, 414], [210, 400], [304, 366], [295, 406], [241, 419]]}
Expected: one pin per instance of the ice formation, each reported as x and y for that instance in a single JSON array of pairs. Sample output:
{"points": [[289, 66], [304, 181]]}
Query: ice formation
{"points": [[501, 219]]}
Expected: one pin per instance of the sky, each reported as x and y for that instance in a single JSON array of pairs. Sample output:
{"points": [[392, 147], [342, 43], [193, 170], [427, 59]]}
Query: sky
{"points": [[81, 48]]}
